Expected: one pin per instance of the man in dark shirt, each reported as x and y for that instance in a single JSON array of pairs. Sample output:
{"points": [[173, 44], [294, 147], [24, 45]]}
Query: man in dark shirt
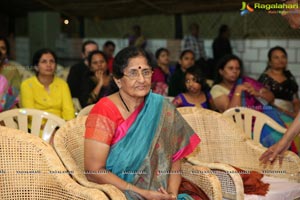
{"points": [[221, 45], [109, 49], [79, 69]]}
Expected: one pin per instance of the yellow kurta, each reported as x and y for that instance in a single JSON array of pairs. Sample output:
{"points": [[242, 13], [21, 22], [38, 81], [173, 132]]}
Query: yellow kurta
{"points": [[57, 100]]}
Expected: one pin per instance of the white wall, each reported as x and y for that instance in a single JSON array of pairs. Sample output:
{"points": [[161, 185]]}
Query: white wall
{"points": [[23, 51]]}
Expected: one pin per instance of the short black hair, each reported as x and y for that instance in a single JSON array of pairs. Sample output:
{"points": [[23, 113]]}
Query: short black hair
{"points": [[185, 52], [123, 56], [38, 54], [223, 28], [159, 51], [178, 66], [109, 43], [91, 54], [87, 43], [270, 52], [200, 78], [221, 64], [274, 49]]}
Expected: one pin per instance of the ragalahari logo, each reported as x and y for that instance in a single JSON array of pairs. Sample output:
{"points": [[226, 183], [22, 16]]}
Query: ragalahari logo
{"points": [[246, 8]]}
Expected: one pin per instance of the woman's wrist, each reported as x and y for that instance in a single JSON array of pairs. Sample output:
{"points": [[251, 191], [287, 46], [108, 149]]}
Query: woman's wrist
{"points": [[100, 84], [133, 188], [237, 94], [287, 138], [143, 192], [238, 90], [173, 195], [128, 187]]}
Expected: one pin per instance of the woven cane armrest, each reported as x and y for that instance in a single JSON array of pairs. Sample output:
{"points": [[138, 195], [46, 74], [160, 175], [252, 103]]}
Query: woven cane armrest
{"points": [[30, 169], [231, 181], [289, 169], [69, 145], [85, 111], [204, 178], [223, 142]]}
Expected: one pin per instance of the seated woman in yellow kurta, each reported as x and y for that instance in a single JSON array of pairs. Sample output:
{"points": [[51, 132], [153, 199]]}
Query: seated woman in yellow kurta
{"points": [[45, 91]]}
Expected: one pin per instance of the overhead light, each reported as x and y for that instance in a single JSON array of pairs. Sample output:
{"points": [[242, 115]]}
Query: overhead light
{"points": [[66, 21]]}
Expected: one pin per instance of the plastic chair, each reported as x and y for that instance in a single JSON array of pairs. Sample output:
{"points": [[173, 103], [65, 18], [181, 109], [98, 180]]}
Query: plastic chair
{"points": [[252, 121], [40, 123], [86, 110], [223, 145], [77, 105], [30, 169], [24, 72], [69, 145]]}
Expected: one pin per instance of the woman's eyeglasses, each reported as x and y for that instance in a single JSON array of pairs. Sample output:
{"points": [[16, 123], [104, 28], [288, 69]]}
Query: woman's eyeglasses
{"points": [[135, 74]]}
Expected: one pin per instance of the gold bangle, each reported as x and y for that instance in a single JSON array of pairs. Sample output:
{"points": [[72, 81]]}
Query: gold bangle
{"points": [[237, 94]]}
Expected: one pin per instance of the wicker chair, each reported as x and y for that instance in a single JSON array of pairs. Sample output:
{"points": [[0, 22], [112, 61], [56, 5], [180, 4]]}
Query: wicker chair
{"points": [[86, 110], [30, 169], [24, 73], [69, 144], [41, 123], [62, 72], [225, 145], [249, 119]]}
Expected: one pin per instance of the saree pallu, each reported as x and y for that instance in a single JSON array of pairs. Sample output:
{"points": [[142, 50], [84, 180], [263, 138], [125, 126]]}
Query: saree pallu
{"points": [[145, 145], [11, 73], [269, 136]]}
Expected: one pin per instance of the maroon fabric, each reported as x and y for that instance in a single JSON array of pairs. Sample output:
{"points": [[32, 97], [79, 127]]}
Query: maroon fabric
{"points": [[192, 189], [252, 182]]}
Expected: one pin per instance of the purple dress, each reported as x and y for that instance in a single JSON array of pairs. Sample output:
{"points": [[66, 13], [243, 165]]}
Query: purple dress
{"points": [[184, 103]]}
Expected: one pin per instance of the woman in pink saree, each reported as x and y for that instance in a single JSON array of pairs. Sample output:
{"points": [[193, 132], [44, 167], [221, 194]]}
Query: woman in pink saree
{"points": [[136, 138], [233, 89], [8, 95]]}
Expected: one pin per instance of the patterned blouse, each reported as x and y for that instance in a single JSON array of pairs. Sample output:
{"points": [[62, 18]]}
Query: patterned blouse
{"points": [[286, 90]]}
